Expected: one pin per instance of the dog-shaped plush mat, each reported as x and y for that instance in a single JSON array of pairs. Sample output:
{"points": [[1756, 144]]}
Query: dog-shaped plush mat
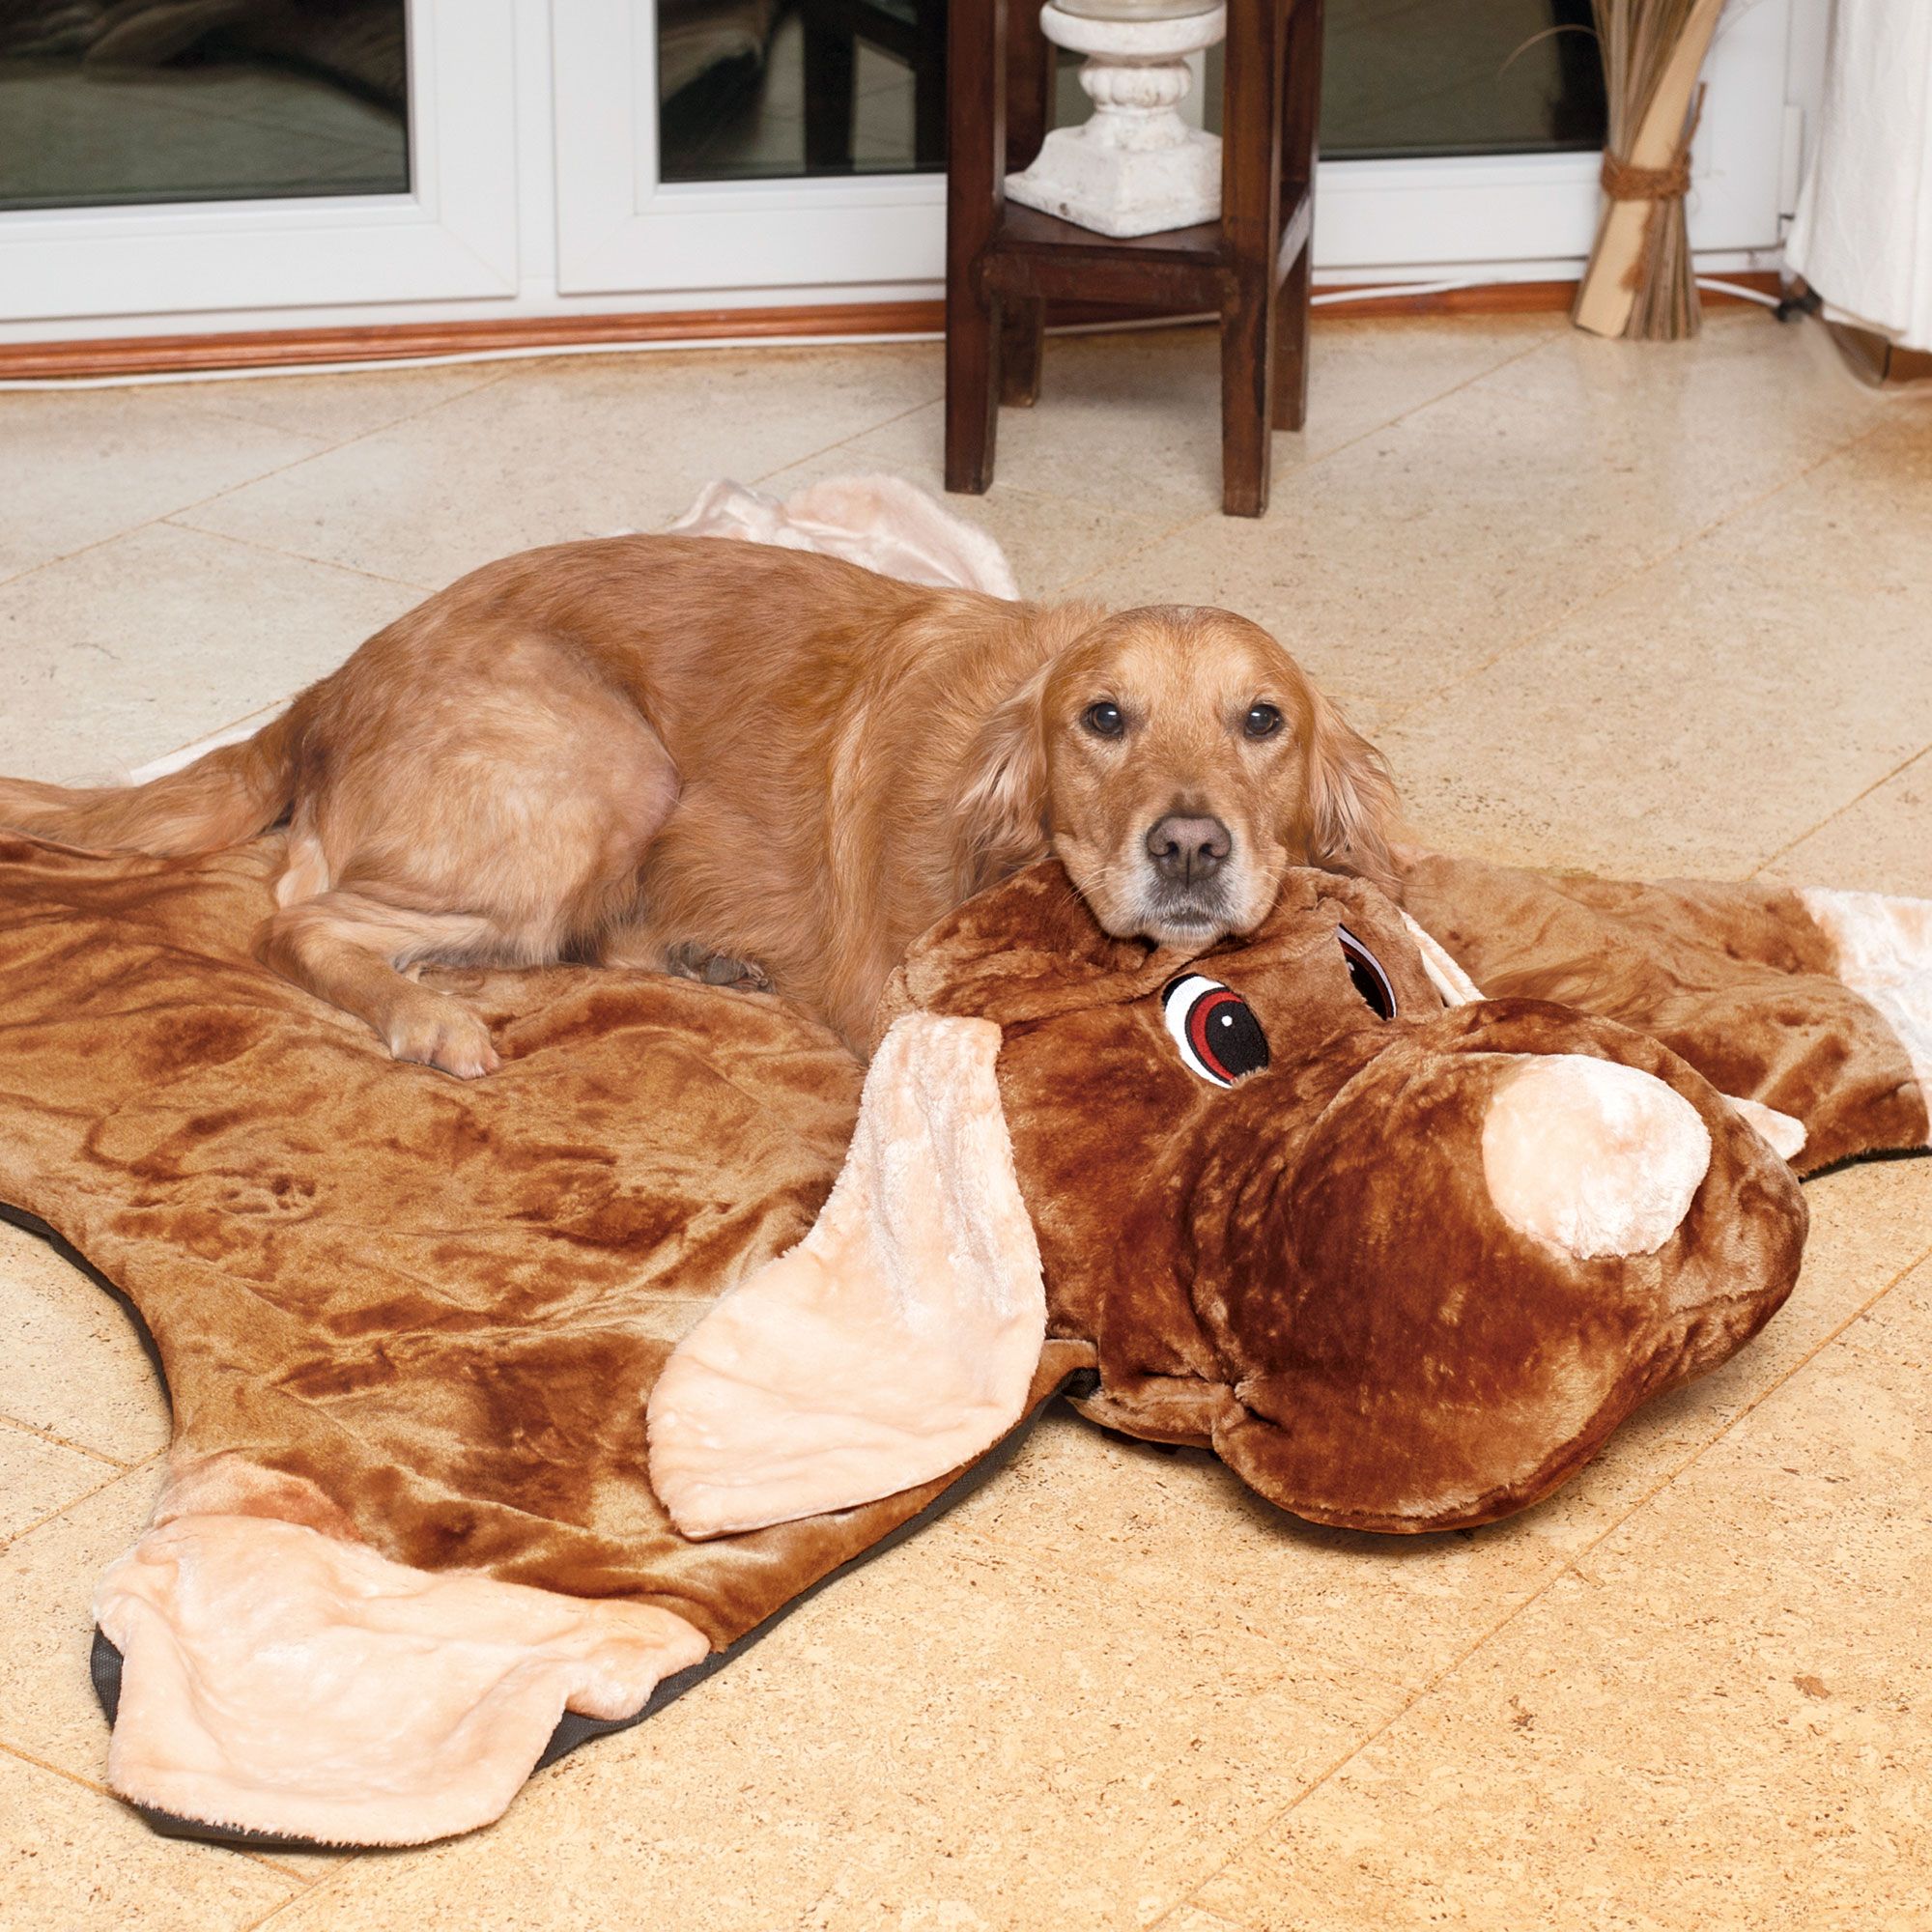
{"points": [[505, 1410]]}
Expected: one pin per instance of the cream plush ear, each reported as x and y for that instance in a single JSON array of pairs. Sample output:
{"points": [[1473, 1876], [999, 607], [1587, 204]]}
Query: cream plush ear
{"points": [[896, 1340]]}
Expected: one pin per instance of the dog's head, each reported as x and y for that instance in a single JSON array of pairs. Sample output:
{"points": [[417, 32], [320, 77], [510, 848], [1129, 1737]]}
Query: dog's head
{"points": [[1401, 1255], [1179, 762]]}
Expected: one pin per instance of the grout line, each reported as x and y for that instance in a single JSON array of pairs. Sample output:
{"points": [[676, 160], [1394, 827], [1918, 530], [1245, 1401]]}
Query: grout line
{"points": [[211, 396], [12, 578], [1138, 548], [1313, 463], [121, 1474], [839, 442], [1170, 1919], [115, 1798], [274, 708], [151, 523], [1839, 811], [1187, 519], [1568, 1566], [60, 1442], [343, 1855], [333, 448], [203, 395], [323, 447], [306, 1892], [59, 1771], [299, 557], [1646, 567]]}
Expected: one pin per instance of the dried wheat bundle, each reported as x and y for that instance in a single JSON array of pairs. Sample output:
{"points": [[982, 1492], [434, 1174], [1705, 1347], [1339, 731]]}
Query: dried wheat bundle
{"points": [[1640, 283]]}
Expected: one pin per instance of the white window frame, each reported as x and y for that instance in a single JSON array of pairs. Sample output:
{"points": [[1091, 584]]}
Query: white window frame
{"points": [[453, 236], [1494, 213], [534, 156], [622, 229]]}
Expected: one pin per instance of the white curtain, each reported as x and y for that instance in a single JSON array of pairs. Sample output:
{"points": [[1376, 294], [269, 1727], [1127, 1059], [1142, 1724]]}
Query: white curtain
{"points": [[1863, 237]]}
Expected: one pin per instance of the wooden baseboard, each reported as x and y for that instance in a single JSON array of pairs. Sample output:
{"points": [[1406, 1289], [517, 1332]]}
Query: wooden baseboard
{"points": [[389, 342], [1878, 361]]}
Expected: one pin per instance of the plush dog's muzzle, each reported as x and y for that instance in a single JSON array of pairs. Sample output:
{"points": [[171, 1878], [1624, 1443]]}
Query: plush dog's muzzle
{"points": [[1592, 1156]]}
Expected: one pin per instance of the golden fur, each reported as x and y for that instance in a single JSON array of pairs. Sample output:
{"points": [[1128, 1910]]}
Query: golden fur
{"points": [[686, 753]]}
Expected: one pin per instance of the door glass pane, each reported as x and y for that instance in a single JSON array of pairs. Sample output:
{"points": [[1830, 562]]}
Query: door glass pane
{"points": [[105, 103], [753, 89], [1460, 78]]}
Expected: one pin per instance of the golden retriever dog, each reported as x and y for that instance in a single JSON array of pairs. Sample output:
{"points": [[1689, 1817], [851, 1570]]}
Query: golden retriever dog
{"points": [[748, 763]]}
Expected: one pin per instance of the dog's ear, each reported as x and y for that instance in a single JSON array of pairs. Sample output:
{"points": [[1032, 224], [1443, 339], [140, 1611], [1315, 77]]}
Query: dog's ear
{"points": [[897, 1341], [1351, 799], [1002, 802]]}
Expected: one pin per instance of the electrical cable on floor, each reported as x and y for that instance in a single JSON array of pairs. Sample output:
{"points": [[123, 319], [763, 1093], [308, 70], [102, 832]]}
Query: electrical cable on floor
{"points": [[1394, 291], [456, 358], [1720, 287]]}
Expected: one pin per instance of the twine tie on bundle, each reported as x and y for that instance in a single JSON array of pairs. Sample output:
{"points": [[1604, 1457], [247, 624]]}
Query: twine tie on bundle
{"points": [[1623, 180]]}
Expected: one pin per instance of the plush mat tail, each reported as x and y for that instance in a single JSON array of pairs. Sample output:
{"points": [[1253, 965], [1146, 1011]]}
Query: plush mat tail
{"points": [[1884, 946], [1814, 1005], [221, 798]]}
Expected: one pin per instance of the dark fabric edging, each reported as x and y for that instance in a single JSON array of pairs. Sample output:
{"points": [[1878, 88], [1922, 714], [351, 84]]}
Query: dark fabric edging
{"points": [[572, 1730]]}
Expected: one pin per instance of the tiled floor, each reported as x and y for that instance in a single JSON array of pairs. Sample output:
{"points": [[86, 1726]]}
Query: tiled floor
{"points": [[1635, 608]]}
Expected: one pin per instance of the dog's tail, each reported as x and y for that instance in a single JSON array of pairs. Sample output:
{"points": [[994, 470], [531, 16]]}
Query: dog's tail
{"points": [[224, 797]]}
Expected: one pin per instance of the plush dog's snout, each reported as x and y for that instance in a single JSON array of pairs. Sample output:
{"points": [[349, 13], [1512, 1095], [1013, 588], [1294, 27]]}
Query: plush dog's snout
{"points": [[1187, 850], [1592, 1155]]}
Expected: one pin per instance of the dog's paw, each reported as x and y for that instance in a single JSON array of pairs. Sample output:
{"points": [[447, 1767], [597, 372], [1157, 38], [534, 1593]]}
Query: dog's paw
{"points": [[437, 1032], [692, 961]]}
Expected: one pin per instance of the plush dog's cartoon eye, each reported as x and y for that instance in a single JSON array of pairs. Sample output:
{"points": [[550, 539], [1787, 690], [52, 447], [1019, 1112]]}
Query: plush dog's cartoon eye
{"points": [[1366, 971], [1215, 1029]]}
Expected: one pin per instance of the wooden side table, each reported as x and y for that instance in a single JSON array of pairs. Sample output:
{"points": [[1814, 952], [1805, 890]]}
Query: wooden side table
{"points": [[1004, 263]]}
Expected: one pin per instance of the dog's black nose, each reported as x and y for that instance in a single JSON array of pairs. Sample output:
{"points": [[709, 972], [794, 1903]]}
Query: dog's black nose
{"points": [[1188, 850]]}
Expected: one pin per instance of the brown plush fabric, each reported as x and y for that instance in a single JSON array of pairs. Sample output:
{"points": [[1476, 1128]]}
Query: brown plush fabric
{"points": [[1305, 1271], [1737, 978], [415, 1311], [424, 1315]]}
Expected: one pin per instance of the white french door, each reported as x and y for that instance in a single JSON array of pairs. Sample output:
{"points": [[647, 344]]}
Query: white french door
{"points": [[622, 229], [1528, 214], [451, 234], [536, 184]]}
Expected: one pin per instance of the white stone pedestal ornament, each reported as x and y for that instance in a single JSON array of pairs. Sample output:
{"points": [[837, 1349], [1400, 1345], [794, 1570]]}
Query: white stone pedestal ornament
{"points": [[1136, 167]]}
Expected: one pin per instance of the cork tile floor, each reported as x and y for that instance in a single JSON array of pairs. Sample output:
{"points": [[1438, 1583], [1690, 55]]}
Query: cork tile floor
{"points": [[1662, 610]]}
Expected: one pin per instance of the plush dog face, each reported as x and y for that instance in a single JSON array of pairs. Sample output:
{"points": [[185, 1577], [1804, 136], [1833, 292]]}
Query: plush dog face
{"points": [[1401, 1255], [1402, 1264]]}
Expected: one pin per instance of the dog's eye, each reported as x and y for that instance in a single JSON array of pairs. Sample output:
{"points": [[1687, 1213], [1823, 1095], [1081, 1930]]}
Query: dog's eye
{"points": [[1366, 971], [1263, 721], [1103, 720], [1215, 1029]]}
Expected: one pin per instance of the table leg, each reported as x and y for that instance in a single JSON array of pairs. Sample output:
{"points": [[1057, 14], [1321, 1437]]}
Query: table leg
{"points": [[975, 192], [1251, 131]]}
